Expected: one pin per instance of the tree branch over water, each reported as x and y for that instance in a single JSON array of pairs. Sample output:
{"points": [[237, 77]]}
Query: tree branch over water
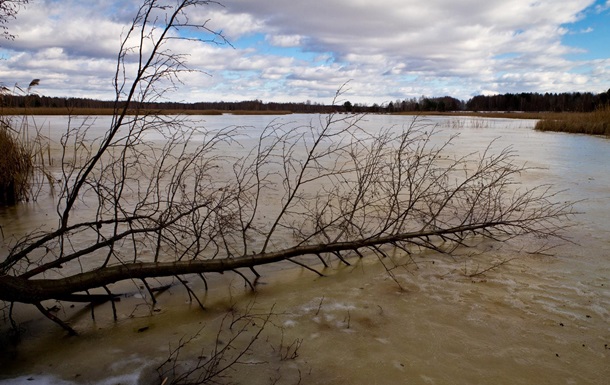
{"points": [[160, 196]]}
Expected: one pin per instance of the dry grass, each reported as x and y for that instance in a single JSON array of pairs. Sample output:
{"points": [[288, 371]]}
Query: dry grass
{"points": [[96, 111], [504, 115], [24, 153], [110, 111], [248, 112], [16, 166], [592, 123], [459, 122]]}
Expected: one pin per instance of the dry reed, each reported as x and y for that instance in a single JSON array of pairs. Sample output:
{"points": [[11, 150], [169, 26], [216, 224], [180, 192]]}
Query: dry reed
{"points": [[592, 123], [16, 166], [109, 111]]}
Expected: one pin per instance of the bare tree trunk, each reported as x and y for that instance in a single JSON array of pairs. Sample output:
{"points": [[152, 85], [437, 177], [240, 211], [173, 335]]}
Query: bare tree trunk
{"points": [[19, 289]]}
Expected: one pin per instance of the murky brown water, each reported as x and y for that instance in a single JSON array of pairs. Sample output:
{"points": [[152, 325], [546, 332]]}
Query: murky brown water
{"points": [[535, 320]]}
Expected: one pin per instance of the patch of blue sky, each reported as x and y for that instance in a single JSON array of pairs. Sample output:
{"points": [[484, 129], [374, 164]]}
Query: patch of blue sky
{"points": [[591, 34], [228, 75], [582, 69], [237, 74], [249, 41], [507, 55], [407, 78], [262, 46], [5, 54]]}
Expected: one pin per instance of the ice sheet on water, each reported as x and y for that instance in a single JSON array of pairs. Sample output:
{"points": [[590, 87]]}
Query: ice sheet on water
{"points": [[34, 380], [127, 379]]}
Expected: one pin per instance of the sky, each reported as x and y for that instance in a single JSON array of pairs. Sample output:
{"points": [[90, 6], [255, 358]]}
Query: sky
{"points": [[299, 51]]}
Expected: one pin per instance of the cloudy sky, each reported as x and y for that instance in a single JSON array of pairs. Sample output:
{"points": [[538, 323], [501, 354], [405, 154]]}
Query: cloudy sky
{"points": [[294, 51]]}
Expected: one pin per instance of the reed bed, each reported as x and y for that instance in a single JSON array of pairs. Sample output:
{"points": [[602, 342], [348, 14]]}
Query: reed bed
{"points": [[460, 122], [7, 111], [592, 123], [109, 111], [498, 114], [248, 112], [24, 156], [16, 166]]}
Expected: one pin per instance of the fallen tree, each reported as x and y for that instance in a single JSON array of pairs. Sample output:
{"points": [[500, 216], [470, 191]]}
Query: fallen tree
{"points": [[158, 196]]}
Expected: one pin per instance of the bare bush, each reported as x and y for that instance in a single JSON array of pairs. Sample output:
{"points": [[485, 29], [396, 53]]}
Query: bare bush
{"points": [[232, 349]]}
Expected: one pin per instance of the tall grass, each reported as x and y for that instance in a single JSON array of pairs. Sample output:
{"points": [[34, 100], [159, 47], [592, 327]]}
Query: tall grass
{"points": [[22, 153], [16, 166], [109, 111], [22, 162], [470, 122], [592, 123]]}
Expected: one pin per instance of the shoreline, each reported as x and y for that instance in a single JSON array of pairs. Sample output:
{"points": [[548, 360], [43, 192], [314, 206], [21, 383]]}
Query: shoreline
{"points": [[35, 111], [62, 111]]}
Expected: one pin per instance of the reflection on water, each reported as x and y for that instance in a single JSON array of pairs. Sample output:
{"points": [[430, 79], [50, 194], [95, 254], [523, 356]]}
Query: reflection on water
{"points": [[537, 319]]}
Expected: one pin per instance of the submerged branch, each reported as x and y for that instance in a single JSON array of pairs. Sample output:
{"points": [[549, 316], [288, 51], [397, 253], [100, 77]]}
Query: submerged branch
{"points": [[18, 289]]}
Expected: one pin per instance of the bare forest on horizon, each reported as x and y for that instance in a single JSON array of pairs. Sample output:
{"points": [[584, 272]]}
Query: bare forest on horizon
{"points": [[527, 102]]}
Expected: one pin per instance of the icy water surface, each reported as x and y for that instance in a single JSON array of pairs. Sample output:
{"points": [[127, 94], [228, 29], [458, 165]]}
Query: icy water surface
{"points": [[537, 319]]}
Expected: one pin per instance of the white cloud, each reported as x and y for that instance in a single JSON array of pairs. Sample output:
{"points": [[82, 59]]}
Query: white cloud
{"points": [[443, 39], [602, 7], [285, 40], [398, 48], [232, 25]]}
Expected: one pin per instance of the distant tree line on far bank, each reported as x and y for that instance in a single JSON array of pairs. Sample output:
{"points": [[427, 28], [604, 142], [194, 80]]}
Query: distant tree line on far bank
{"points": [[529, 102], [532, 102]]}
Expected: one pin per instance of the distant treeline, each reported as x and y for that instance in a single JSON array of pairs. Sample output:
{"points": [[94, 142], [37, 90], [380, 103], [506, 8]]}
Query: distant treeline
{"points": [[530, 102], [533, 102], [35, 101]]}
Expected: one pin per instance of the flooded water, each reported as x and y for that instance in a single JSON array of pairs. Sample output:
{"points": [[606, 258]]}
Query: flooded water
{"points": [[536, 319]]}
